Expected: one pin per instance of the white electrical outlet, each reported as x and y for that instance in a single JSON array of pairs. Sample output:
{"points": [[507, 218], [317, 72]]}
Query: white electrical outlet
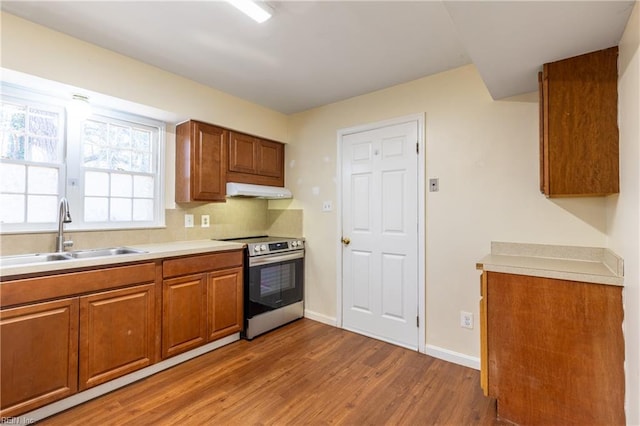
{"points": [[466, 319], [188, 221], [204, 220], [327, 206]]}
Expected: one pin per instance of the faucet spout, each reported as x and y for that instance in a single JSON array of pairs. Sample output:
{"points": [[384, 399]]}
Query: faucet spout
{"points": [[64, 216]]}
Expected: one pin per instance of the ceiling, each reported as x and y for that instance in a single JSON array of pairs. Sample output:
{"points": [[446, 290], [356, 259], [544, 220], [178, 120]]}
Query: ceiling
{"points": [[311, 53]]}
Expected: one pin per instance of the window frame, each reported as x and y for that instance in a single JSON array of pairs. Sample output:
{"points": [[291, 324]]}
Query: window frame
{"points": [[71, 169]]}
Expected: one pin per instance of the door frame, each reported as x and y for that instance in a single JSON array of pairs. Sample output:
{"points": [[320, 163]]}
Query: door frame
{"points": [[422, 240]]}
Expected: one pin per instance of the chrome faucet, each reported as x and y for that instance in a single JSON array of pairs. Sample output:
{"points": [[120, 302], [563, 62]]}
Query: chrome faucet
{"points": [[64, 216]]}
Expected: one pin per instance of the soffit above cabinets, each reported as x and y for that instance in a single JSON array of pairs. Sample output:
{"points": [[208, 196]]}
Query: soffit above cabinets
{"points": [[311, 53]]}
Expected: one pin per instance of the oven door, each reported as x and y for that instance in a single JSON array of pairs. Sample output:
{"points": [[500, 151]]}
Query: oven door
{"points": [[274, 281]]}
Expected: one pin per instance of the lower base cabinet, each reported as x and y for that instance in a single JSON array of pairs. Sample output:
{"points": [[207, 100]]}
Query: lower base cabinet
{"points": [[39, 355], [117, 333], [104, 323], [200, 308], [51, 350], [552, 350]]}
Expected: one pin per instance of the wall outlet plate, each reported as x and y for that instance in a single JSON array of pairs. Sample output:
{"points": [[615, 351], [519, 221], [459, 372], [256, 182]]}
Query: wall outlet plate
{"points": [[188, 221], [204, 221], [466, 319], [327, 206]]}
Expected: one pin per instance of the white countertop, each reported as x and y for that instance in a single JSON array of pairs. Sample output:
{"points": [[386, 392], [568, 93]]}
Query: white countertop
{"points": [[153, 252], [585, 264]]}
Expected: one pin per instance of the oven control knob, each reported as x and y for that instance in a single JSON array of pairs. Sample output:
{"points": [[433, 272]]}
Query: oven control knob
{"points": [[299, 243], [294, 243], [256, 248], [263, 247]]}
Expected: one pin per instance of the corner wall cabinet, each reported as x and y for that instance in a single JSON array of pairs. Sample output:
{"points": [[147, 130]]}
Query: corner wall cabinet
{"points": [[202, 300], [201, 160], [552, 351], [579, 125]]}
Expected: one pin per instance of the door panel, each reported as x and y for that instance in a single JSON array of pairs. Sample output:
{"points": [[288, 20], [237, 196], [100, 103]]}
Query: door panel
{"points": [[380, 217]]}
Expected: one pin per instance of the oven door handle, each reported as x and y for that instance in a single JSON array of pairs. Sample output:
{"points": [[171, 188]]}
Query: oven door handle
{"points": [[265, 260]]}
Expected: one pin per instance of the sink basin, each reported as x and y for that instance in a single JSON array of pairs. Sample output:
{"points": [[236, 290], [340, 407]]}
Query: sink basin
{"points": [[24, 259], [114, 251]]}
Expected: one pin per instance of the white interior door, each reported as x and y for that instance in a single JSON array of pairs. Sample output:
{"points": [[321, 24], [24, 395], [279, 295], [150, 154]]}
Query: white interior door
{"points": [[380, 233]]}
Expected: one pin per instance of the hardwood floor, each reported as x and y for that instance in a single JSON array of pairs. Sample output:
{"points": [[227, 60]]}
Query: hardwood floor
{"points": [[303, 373]]}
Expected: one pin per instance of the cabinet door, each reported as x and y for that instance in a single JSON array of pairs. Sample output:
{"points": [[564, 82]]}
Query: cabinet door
{"points": [[117, 333], [579, 124], [224, 297], [39, 348], [556, 350], [184, 321], [243, 153], [270, 158], [201, 153]]}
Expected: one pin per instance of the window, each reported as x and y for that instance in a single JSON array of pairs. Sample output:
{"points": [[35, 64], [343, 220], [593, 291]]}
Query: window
{"points": [[108, 164]]}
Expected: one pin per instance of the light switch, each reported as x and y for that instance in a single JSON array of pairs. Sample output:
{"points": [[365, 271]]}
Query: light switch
{"points": [[434, 185]]}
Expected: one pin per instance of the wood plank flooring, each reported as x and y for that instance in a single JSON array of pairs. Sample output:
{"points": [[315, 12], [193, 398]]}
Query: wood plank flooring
{"points": [[303, 373]]}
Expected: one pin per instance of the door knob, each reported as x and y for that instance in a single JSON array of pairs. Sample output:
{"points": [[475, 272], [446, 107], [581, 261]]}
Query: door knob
{"points": [[345, 241]]}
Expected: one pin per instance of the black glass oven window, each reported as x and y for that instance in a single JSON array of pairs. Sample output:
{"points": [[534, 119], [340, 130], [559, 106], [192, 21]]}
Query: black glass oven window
{"points": [[277, 278]]}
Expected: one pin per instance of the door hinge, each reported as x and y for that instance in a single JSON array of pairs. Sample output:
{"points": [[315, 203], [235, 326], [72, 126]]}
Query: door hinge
{"points": [[417, 147], [417, 321]]}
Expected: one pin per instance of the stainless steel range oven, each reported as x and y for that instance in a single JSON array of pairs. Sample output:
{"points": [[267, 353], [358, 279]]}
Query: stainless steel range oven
{"points": [[274, 283]]}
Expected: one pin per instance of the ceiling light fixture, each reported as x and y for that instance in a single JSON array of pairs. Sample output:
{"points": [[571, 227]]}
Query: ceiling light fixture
{"points": [[256, 10]]}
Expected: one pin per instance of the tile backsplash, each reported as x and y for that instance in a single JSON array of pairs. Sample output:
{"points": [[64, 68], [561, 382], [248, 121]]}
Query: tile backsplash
{"points": [[235, 218]]}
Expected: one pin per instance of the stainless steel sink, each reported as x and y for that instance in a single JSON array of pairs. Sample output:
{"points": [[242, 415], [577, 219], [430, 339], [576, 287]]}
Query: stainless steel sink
{"points": [[26, 259], [101, 252]]}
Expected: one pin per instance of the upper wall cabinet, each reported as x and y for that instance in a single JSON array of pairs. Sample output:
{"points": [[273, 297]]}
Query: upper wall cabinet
{"points": [[255, 160], [201, 160], [579, 125]]}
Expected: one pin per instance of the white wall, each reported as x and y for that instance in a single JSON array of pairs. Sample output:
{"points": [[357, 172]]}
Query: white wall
{"points": [[486, 156], [624, 209]]}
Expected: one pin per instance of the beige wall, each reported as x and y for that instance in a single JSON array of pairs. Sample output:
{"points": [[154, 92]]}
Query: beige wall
{"points": [[36, 50], [486, 156], [32, 49], [483, 151], [624, 209]]}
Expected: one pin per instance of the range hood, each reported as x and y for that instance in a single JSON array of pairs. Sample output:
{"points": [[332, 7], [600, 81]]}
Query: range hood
{"points": [[235, 189]]}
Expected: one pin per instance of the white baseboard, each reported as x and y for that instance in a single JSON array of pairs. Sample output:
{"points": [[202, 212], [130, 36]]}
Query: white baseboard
{"points": [[320, 318], [64, 404], [451, 356]]}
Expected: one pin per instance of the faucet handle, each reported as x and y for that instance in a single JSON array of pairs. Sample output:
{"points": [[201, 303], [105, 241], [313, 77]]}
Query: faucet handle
{"points": [[67, 243]]}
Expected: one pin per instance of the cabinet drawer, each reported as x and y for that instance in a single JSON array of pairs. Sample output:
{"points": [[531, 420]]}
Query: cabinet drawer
{"points": [[54, 286], [202, 263]]}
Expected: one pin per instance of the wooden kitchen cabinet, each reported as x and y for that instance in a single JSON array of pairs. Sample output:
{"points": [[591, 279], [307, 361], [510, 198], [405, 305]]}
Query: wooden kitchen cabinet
{"points": [[579, 153], [101, 326], [184, 320], [201, 162], [202, 300], [554, 350], [255, 160], [39, 355], [224, 301], [117, 333]]}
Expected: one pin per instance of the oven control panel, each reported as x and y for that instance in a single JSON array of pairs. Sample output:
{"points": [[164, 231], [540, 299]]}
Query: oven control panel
{"points": [[261, 248]]}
